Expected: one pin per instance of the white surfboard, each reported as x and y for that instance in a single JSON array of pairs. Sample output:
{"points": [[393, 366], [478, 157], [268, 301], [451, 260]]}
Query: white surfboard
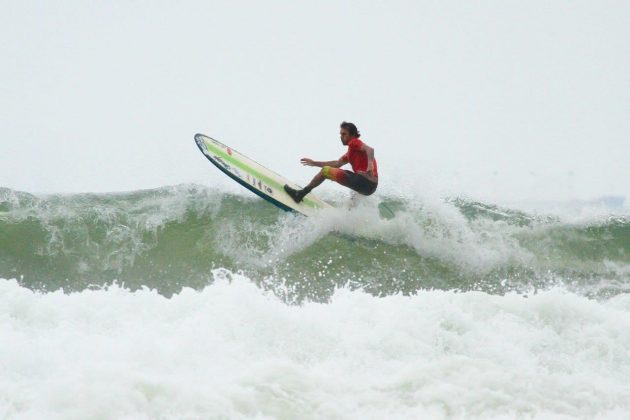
{"points": [[255, 177]]}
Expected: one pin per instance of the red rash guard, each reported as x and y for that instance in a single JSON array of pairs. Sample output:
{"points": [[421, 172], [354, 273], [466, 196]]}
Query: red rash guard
{"points": [[357, 157]]}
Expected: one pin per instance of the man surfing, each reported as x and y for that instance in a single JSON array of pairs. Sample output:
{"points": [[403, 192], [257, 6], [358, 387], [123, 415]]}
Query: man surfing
{"points": [[363, 180]]}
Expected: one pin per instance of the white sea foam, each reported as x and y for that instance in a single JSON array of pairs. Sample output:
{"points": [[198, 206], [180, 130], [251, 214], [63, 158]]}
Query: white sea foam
{"points": [[234, 351], [435, 229]]}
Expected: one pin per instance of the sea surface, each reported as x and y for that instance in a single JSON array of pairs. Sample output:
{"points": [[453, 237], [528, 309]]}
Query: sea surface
{"points": [[193, 302]]}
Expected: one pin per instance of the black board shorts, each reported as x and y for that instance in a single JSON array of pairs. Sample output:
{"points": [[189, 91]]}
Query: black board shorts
{"points": [[350, 179], [359, 183]]}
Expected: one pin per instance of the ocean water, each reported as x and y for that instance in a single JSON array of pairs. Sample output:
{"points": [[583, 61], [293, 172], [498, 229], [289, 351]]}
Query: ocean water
{"points": [[192, 302]]}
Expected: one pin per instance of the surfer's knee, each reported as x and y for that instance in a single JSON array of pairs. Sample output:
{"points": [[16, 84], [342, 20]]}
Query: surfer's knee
{"points": [[334, 174], [326, 172]]}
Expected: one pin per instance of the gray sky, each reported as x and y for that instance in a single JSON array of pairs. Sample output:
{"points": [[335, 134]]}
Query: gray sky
{"points": [[498, 100]]}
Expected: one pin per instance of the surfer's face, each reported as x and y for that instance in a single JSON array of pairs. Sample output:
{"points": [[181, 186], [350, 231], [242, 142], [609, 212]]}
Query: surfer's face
{"points": [[345, 136]]}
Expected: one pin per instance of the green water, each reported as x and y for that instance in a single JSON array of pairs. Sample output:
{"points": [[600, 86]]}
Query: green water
{"points": [[174, 237]]}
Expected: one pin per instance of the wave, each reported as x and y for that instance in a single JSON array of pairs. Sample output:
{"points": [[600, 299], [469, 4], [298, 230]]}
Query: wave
{"points": [[232, 350], [173, 237]]}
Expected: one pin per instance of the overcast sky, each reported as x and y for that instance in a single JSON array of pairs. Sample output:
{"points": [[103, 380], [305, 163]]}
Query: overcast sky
{"points": [[495, 99]]}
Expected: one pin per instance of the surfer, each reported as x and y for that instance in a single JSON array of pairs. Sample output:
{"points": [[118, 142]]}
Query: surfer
{"points": [[363, 180]]}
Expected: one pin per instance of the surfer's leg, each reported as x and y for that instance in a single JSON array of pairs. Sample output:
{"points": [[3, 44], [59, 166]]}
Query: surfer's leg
{"points": [[334, 174], [348, 179], [351, 180], [298, 195], [316, 181], [339, 176]]}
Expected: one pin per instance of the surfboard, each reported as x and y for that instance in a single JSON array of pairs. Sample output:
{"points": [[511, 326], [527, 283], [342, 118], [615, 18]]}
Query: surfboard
{"points": [[255, 177]]}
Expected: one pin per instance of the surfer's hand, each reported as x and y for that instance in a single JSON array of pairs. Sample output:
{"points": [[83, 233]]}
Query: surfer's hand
{"points": [[307, 162]]}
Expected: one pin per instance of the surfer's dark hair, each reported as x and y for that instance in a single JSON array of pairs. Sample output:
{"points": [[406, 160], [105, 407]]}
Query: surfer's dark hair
{"points": [[352, 129]]}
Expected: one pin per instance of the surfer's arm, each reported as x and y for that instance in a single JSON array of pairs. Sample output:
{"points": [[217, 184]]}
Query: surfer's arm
{"points": [[332, 163]]}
